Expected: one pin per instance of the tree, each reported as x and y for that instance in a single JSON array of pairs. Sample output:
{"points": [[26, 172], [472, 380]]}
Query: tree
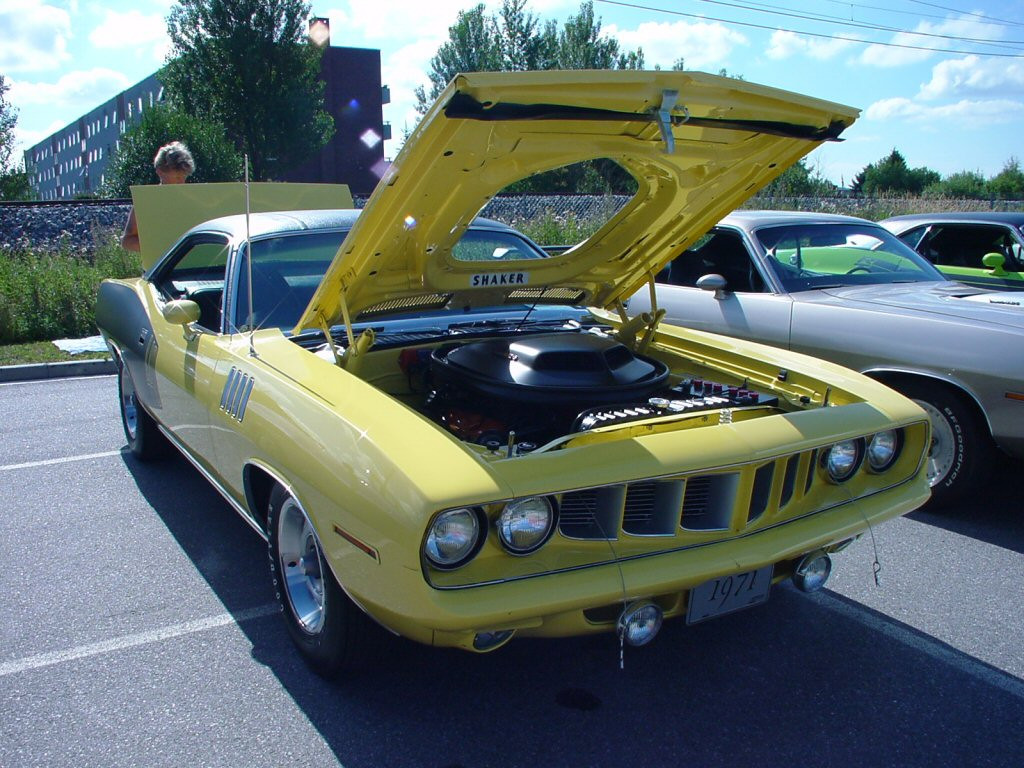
{"points": [[8, 119], [522, 43], [14, 184], [514, 40], [799, 181], [892, 174], [247, 65], [216, 157], [1008, 184], [581, 45], [472, 46], [962, 185]]}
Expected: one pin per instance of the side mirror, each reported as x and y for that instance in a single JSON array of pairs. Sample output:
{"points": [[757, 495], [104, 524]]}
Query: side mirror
{"points": [[181, 312], [713, 282], [995, 262]]}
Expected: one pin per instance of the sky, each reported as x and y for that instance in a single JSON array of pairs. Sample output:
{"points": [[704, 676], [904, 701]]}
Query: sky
{"points": [[942, 82]]}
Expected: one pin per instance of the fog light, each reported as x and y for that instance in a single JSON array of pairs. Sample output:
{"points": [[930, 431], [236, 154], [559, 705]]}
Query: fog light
{"points": [[488, 641], [812, 571], [639, 623]]}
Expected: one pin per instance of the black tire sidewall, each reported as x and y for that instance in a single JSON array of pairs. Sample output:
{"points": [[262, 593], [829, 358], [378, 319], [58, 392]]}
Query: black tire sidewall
{"points": [[327, 650], [971, 442], [146, 443]]}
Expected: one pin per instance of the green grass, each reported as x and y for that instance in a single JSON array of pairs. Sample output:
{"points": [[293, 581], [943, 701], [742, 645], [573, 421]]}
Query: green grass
{"points": [[41, 352], [50, 294]]}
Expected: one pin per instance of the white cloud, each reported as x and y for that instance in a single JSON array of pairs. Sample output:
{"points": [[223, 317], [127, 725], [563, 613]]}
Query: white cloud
{"points": [[380, 20], [131, 30], [35, 37], [25, 139], [403, 71], [784, 44], [974, 76], [74, 93], [953, 29], [965, 111], [701, 44]]}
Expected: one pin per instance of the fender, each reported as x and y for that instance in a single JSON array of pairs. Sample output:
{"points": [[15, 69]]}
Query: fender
{"points": [[122, 317]]}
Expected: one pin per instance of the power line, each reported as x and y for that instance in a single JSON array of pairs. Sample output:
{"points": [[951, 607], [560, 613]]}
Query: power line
{"points": [[981, 18], [846, 38], [967, 13], [844, 19], [915, 14], [780, 11]]}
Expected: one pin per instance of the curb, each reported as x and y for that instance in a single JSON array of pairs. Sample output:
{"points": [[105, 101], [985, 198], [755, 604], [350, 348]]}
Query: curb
{"points": [[39, 371]]}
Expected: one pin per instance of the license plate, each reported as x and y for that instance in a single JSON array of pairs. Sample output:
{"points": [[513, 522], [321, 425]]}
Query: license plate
{"points": [[726, 594]]}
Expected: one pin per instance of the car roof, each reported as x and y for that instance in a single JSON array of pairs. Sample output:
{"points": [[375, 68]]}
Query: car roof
{"points": [[752, 219], [283, 222], [1015, 218]]}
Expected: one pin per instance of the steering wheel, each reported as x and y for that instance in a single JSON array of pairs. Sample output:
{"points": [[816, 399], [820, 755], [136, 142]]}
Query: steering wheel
{"points": [[852, 270]]}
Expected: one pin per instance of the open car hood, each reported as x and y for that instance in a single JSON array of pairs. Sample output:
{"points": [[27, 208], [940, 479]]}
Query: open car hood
{"points": [[698, 145]]}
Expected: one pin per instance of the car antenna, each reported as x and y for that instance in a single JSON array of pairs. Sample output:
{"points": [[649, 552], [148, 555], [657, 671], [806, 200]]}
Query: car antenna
{"points": [[248, 261]]}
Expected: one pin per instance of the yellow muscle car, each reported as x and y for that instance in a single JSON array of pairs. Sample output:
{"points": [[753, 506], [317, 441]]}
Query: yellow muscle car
{"points": [[442, 430]]}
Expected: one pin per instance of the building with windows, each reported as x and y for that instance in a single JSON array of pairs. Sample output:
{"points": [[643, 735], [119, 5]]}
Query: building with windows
{"points": [[72, 162]]}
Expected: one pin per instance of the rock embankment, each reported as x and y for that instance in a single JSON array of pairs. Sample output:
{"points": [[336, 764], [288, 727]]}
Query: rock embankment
{"points": [[73, 225]]}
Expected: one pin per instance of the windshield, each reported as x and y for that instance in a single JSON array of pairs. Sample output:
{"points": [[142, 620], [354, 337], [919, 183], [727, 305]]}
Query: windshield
{"points": [[809, 256], [288, 268]]}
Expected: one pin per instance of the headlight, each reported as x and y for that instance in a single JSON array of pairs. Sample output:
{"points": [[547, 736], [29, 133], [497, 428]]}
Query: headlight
{"points": [[525, 524], [453, 538], [843, 459], [883, 448]]}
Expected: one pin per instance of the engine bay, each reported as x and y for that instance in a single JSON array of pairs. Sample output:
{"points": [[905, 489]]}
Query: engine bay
{"points": [[522, 392]]}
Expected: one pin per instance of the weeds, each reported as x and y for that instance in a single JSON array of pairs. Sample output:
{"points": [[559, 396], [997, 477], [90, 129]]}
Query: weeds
{"points": [[50, 293]]}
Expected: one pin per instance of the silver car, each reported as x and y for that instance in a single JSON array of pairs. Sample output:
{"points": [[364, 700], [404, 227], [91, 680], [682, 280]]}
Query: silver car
{"points": [[849, 291]]}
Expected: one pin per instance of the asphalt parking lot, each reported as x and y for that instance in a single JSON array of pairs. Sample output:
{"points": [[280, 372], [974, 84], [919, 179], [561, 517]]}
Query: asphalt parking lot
{"points": [[138, 627]]}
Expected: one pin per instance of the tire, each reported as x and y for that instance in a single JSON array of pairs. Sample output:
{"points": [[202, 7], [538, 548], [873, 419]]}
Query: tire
{"points": [[961, 452], [331, 632], [145, 441]]}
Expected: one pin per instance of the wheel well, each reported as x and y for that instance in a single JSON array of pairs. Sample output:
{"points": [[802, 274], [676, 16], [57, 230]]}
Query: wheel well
{"points": [[259, 484], [895, 379]]}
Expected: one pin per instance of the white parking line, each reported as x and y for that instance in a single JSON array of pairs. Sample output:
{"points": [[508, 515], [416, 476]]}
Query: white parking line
{"points": [[62, 460], [57, 380], [132, 641], [937, 650]]}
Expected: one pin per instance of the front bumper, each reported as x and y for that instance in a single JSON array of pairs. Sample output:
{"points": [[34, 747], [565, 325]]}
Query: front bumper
{"points": [[587, 600]]}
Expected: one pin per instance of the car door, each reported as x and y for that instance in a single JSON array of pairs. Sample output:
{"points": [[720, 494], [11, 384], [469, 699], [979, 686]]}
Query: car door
{"points": [[747, 307], [186, 355], [286, 269]]}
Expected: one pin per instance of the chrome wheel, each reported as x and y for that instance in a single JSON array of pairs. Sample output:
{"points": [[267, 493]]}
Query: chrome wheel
{"points": [[129, 406], [943, 449], [300, 561]]}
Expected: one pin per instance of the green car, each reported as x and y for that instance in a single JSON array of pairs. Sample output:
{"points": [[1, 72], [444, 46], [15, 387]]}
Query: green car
{"points": [[985, 249]]}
